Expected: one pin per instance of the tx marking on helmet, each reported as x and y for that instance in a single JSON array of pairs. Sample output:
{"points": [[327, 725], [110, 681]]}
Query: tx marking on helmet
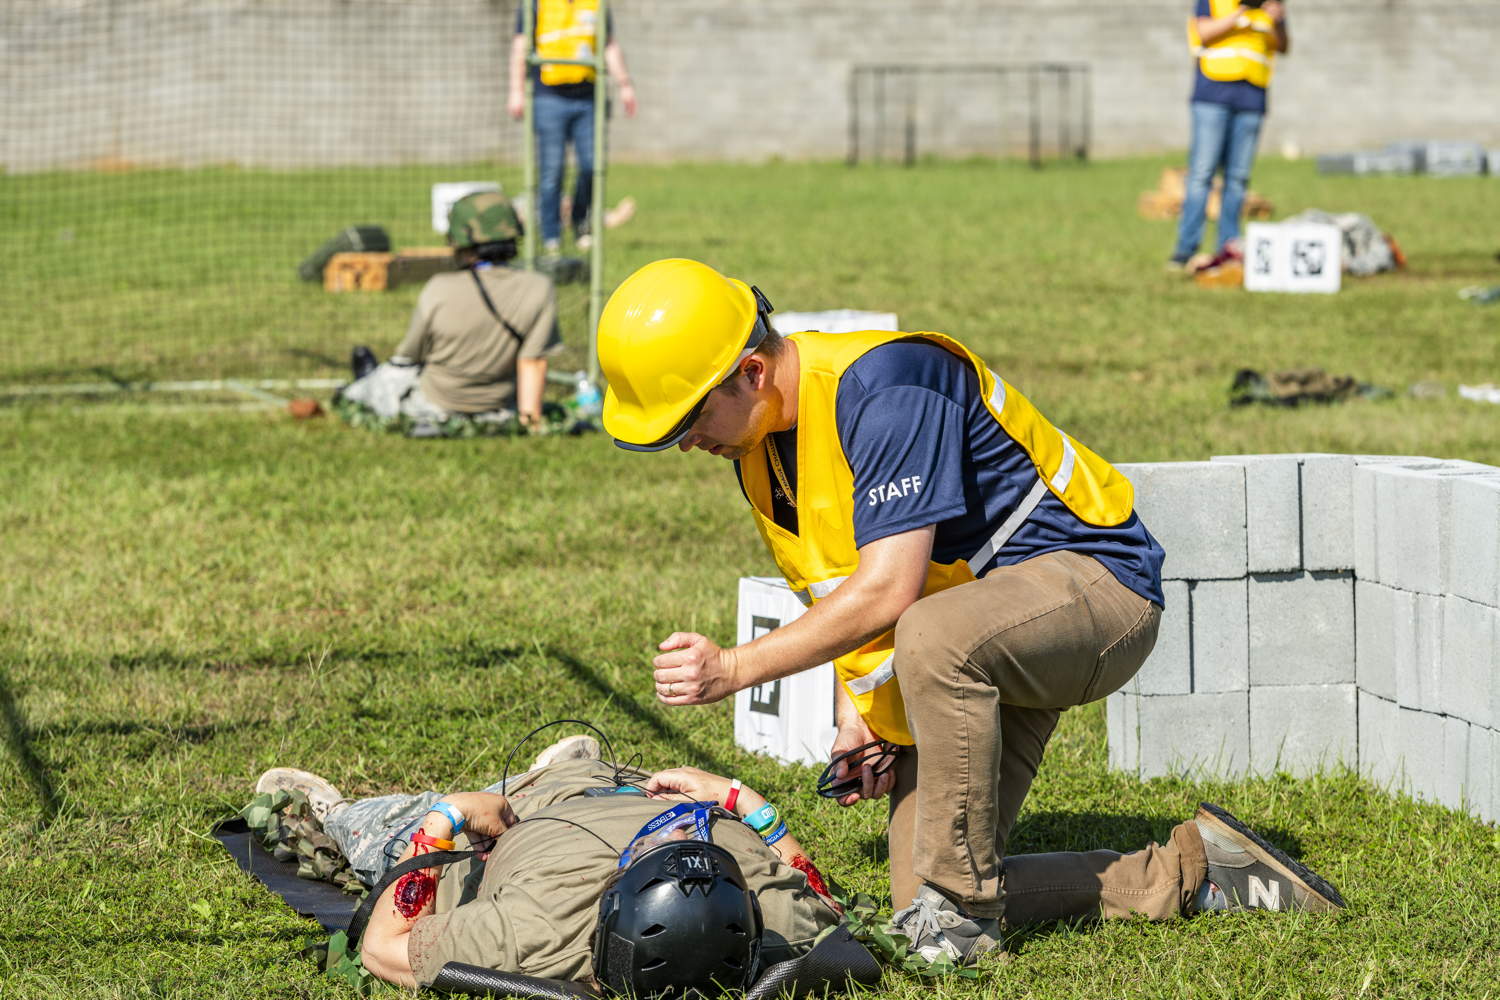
{"points": [[1261, 894]]}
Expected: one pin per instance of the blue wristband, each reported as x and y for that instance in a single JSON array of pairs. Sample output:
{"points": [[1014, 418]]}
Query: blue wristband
{"points": [[775, 834], [762, 819], [454, 816]]}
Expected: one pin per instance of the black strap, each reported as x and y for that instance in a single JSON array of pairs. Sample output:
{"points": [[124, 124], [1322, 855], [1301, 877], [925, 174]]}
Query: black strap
{"points": [[431, 860], [490, 305]]}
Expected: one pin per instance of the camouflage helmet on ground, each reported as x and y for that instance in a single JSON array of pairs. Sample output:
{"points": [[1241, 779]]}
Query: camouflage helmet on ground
{"points": [[482, 217]]}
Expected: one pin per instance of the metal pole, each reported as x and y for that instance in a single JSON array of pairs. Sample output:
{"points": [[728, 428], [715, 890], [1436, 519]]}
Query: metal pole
{"points": [[852, 157], [528, 141], [596, 210], [911, 119], [1034, 86], [1088, 111]]}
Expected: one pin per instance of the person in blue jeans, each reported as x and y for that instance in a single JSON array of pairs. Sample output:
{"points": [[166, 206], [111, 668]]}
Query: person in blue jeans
{"points": [[563, 105], [1235, 42]]}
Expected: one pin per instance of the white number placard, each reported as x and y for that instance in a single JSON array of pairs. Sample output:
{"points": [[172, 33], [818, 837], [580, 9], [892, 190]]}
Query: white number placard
{"points": [[792, 718], [1293, 257]]}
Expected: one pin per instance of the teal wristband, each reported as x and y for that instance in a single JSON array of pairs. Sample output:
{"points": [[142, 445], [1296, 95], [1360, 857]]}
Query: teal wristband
{"points": [[454, 816], [762, 819], [775, 834]]}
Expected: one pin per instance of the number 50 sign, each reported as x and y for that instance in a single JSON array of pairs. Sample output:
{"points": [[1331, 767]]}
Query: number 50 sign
{"points": [[1293, 257]]}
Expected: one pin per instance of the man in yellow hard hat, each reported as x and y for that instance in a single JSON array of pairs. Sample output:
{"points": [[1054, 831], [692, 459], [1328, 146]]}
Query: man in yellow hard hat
{"points": [[971, 571]]}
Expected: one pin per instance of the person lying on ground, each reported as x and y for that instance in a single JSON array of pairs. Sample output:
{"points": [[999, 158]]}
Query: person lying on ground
{"points": [[568, 832], [552, 842]]}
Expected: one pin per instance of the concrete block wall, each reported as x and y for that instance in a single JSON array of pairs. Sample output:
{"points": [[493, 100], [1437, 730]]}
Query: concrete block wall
{"points": [[325, 82], [1323, 611]]}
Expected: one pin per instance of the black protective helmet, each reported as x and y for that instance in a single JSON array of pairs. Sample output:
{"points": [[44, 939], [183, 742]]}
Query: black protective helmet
{"points": [[679, 922]]}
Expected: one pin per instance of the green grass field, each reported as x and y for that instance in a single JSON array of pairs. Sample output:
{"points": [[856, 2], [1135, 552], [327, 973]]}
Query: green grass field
{"points": [[191, 597]]}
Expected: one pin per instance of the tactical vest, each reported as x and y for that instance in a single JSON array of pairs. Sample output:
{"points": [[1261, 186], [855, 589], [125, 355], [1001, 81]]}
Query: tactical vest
{"points": [[1243, 54], [565, 29], [822, 554]]}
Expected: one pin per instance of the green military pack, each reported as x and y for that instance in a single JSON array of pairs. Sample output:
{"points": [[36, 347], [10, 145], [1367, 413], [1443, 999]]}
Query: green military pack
{"points": [[355, 239]]}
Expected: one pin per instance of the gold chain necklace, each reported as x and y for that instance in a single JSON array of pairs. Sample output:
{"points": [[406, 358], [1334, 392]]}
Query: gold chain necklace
{"points": [[776, 467]]}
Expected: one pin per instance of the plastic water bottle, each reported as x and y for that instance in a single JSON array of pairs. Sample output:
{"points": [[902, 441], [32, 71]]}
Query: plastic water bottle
{"points": [[587, 400]]}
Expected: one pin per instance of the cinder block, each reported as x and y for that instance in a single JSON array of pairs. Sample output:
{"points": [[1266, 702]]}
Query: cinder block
{"points": [[1421, 752], [1327, 490], [1474, 516], [1450, 789], [1379, 741], [1206, 734], [1435, 751], [1168, 670], [1273, 511], [1466, 681], [1301, 629], [1304, 730], [1376, 608], [1366, 510], [1479, 786], [1197, 511], [1221, 635], [1411, 508], [1417, 635], [1122, 713]]}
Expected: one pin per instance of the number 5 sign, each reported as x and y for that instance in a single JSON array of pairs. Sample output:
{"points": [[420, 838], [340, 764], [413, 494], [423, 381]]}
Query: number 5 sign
{"points": [[1293, 257]]}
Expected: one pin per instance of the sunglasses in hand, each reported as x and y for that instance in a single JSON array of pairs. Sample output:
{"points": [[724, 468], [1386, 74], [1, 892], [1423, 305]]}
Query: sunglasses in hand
{"points": [[878, 755]]}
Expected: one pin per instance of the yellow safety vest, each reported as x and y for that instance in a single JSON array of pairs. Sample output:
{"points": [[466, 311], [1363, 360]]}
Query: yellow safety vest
{"points": [[822, 554], [565, 29], [1243, 54]]}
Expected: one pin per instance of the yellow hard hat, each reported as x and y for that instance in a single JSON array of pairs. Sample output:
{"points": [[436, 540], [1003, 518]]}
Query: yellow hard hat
{"points": [[668, 336]]}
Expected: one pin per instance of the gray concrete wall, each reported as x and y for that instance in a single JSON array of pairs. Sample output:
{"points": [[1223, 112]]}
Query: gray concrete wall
{"points": [[322, 82], [1323, 611]]}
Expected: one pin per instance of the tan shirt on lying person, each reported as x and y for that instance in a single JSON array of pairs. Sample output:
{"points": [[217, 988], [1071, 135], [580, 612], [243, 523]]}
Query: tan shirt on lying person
{"points": [[533, 906], [468, 357]]}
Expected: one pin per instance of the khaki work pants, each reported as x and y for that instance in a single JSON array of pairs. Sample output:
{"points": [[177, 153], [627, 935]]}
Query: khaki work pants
{"points": [[986, 668]]}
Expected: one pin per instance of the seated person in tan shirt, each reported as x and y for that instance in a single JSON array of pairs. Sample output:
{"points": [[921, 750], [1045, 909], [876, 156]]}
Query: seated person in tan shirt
{"points": [[481, 335]]}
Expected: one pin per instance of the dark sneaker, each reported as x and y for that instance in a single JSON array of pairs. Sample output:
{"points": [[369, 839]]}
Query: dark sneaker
{"points": [[1246, 873], [936, 926], [362, 362], [1229, 253]]}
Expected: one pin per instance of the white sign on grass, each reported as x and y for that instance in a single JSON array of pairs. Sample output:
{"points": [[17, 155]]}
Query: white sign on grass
{"points": [[1293, 257], [445, 194], [833, 321], [791, 719]]}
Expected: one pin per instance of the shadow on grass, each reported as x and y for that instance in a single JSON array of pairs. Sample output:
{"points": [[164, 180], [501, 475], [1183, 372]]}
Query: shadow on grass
{"points": [[193, 735], [18, 737]]}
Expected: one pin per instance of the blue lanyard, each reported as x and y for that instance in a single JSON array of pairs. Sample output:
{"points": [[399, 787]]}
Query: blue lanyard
{"points": [[700, 811]]}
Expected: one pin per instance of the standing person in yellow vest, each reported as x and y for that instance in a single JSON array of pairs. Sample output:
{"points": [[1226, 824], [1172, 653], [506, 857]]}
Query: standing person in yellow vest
{"points": [[972, 571], [1234, 43], [563, 105]]}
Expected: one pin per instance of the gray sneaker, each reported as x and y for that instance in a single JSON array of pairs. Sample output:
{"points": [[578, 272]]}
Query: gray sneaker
{"points": [[582, 747], [1246, 873], [935, 926], [322, 797]]}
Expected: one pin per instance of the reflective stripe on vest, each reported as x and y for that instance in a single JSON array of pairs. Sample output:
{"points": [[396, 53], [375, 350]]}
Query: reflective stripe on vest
{"points": [[566, 29], [1242, 54]]}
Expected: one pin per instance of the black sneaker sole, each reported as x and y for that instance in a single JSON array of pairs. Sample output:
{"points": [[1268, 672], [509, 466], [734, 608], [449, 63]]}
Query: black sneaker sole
{"points": [[1311, 881]]}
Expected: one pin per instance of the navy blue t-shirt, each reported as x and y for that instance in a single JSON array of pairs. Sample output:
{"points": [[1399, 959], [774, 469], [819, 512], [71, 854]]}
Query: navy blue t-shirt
{"points": [[925, 449], [1241, 95]]}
